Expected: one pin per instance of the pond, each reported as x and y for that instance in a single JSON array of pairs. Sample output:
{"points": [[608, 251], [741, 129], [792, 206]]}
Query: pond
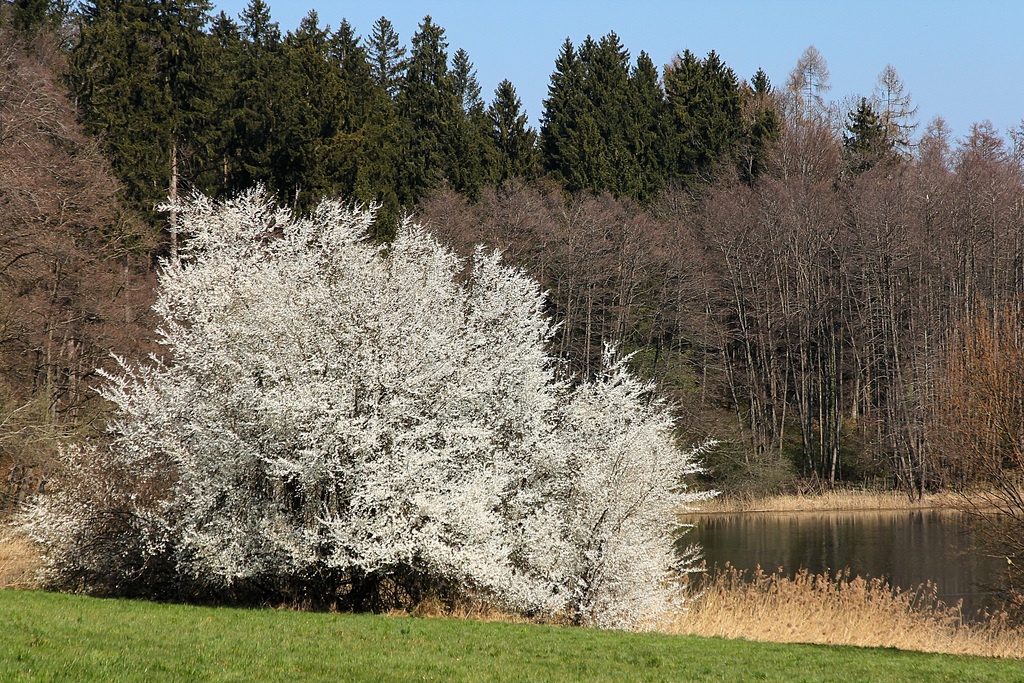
{"points": [[906, 547]]}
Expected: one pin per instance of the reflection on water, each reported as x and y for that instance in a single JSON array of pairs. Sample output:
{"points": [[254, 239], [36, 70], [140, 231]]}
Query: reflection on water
{"points": [[907, 548]]}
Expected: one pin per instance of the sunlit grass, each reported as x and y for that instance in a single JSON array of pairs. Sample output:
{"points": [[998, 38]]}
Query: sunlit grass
{"points": [[45, 636]]}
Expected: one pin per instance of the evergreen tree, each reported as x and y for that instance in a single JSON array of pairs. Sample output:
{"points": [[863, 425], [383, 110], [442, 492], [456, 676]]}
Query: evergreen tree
{"points": [[255, 127], [226, 49], [762, 127], [352, 144], [28, 16], [643, 132], [309, 105], [184, 66], [472, 153], [602, 123], [429, 109], [141, 73], [867, 142], [705, 118], [464, 81], [514, 142], [114, 77], [605, 81], [371, 144], [571, 141], [386, 56]]}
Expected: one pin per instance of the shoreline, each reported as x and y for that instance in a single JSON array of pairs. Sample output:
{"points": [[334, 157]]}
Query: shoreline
{"points": [[840, 500]]}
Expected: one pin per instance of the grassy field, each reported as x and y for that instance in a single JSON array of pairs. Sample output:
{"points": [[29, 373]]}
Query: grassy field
{"points": [[46, 636]]}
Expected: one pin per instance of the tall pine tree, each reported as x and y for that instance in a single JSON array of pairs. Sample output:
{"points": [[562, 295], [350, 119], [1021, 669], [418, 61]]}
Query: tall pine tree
{"points": [[429, 110], [387, 57], [571, 144], [513, 141], [141, 74], [705, 118]]}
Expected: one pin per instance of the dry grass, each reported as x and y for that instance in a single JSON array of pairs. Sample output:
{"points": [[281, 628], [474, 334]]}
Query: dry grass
{"points": [[839, 611], [19, 562], [837, 499]]}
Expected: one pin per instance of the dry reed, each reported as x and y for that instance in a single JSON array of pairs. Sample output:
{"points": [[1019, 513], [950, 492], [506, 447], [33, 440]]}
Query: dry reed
{"points": [[19, 562], [837, 499], [839, 610]]}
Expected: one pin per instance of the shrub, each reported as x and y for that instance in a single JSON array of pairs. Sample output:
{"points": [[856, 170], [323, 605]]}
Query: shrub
{"points": [[341, 422]]}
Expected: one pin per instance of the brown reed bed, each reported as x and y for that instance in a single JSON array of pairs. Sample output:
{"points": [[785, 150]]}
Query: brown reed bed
{"points": [[839, 610], [19, 562], [829, 500]]}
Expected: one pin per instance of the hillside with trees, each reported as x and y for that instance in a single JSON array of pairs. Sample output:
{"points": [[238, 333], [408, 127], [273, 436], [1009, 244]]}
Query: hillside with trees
{"points": [[815, 284]]}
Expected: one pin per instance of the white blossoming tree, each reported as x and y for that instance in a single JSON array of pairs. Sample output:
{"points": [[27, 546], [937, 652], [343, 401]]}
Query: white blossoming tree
{"points": [[340, 422]]}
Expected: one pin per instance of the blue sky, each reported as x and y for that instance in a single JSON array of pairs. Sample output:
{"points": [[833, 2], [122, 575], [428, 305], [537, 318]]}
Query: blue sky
{"points": [[962, 61]]}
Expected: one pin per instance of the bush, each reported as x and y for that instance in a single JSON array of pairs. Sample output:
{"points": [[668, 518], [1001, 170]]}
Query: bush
{"points": [[344, 423]]}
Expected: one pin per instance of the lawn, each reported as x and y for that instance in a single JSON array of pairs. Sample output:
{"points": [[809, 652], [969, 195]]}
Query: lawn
{"points": [[46, 636]]}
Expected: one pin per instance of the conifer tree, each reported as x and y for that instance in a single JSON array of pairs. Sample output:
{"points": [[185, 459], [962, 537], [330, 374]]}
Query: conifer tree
{"points": [[254, 124], [429, 109], [28, 16], [353, 141], [762, 126], [570, 138], [472, 153], [868, 142], [895, 108], [643, 132], [226, 48], [704, 115], [141, 72], [113, 73], [386, 56], [807, 84], [606, 79], [514, 142]]}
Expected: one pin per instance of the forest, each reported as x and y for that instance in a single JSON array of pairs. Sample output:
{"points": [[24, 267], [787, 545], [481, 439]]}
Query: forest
{"points": [[829, 289]]}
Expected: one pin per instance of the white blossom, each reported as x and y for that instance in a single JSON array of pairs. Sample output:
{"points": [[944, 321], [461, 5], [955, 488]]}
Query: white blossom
{"points": [[331, 408]]}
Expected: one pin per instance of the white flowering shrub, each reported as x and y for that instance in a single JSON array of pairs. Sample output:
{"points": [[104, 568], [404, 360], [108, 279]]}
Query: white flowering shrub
{"points": [[341, 422]]}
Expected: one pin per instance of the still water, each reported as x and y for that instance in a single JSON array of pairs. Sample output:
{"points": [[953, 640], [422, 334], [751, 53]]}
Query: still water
{"points": [[907, 548]]}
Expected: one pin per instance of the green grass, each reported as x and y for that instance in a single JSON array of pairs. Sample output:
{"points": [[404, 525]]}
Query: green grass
{"points": [[46, 636]]}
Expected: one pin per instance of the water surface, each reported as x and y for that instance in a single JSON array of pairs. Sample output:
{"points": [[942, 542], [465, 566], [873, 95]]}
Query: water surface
{"points": [[906, 547]]}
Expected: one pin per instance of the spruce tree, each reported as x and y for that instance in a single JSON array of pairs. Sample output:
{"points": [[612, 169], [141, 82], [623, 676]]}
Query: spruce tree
{"points": [[571, 141], [606, 81], [255, 127], [309, 104], [472, 152], [28, 16], [141, 73], [643, 134], [429, 109], [386, 56], [352, 143], [514, 142], [226, 48], [114, 77], [705, 119], [868, 142], [762, 127]]}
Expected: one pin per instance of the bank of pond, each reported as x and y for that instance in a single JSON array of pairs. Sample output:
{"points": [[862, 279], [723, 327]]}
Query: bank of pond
{"points": [[907, 548]]}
